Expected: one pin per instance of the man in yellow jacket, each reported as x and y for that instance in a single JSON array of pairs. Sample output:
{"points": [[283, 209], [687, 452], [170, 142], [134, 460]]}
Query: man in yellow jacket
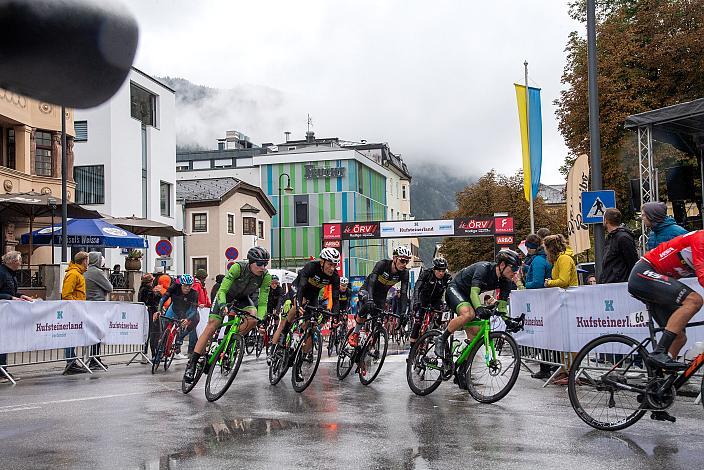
{"points": [[74, 288]]}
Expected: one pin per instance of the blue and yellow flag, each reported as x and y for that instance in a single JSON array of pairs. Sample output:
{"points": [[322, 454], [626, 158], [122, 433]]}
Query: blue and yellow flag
{"points": [[531, 123]]}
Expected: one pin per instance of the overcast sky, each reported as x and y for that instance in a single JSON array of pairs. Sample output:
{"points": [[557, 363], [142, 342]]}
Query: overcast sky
{"points": [[433, 79]]}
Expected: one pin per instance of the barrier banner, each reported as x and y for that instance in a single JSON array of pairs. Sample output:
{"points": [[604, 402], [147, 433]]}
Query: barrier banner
{"points": [[203, 314], [39, 325], [544, 327]]}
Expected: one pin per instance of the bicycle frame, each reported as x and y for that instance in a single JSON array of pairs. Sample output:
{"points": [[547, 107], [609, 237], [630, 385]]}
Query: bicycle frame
{"points": [[234, 325], [482, 334]]}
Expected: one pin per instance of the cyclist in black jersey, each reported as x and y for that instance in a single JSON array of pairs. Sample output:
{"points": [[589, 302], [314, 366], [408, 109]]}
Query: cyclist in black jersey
{"points": [[305, 290], [429, 291], [344, 298], [275, 294], [462, 293], [372, 295]]}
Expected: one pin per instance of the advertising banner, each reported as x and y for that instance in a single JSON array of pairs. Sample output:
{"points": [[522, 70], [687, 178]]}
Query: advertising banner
{"points": [[125, 322], [417, 228], [360, 230], [577, 182], [474, 227], [544, 326]]}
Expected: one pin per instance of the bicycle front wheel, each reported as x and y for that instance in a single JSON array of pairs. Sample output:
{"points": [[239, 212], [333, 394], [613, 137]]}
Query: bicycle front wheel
{"points": [[424, 367], [259, 346], [332, 340], [223, 371], [491, 374], [250, 341], [170, 351], [306, 360], [597, 381], [160, 348], [345, 356], [373, 355], [187, 387], [279, 363]]}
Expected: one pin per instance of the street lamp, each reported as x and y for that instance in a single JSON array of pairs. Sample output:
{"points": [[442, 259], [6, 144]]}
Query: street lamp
{"points": [[288, 190]]}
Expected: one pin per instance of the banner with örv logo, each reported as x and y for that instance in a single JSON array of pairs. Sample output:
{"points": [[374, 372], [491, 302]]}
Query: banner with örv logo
{"points": [[575, 316], [33, 326]]}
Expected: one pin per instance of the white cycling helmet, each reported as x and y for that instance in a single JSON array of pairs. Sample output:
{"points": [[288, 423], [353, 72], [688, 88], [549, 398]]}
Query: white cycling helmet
{"points": [[344, 281], [403, 252], [330, 254]]}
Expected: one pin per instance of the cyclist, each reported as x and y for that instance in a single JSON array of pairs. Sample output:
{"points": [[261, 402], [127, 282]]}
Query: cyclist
{"points": [[372, 294], [275, 294], [428, 293], [242, 281], [305, 290], [463, 295], [183, 307], [653, 280], [344, 300]]}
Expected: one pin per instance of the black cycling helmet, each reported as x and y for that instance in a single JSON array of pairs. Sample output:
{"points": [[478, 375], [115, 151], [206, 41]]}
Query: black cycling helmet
{"points": [[439, 263], [274, 277], [510, 257], [257, 254]]}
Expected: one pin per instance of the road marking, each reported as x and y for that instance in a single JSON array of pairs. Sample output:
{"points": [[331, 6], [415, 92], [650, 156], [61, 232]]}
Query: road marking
{"points": [[68, 400], [21, 409]]}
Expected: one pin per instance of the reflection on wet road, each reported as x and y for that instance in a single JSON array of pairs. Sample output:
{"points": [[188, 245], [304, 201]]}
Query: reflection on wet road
{"points": [[127, 418]]}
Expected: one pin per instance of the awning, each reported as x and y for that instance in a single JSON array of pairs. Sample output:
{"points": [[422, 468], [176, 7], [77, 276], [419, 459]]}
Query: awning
{"points": [[142, 226], [680, 125], [87, 232]]}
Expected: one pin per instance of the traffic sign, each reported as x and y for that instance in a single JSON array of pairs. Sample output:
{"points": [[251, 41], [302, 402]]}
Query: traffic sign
{"points": [[229, 265], [163, 248], [231, 253], [595, 203]]}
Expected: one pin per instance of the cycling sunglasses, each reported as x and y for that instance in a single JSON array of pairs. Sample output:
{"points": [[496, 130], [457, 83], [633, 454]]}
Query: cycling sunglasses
{"points": [[261, 264], [404, 260]]}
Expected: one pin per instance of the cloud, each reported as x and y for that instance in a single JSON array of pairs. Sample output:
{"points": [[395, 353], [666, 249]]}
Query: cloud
{"points": [[433, 79]]}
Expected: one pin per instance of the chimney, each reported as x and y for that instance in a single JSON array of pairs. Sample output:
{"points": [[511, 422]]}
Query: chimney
{"points": [[310, 137], [288, 135]]}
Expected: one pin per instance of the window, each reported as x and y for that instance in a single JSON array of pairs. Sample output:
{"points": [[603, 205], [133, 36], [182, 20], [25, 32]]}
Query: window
{"points": [[260, 227], [222, 163], [301, 209], [165, 198], [200, 223], [244, 162], [249, 226], [292, 148], [230, 223], [90, 184], [42, 156], [10, 160], [182, 166], [199, 263], [201, 165], [403, 188], [142, 105], [81, 128]]}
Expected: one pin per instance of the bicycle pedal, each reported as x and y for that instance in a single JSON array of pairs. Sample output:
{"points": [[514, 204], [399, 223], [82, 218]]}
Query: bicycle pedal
{"points": [[662, 416]]}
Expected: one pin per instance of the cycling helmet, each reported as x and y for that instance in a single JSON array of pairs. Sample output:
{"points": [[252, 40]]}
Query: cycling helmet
{"points": [[330, 254], [440, 263], [274, 277], [344, 281], [185, 280], [510, 257], [403, 252], [258, 254]]}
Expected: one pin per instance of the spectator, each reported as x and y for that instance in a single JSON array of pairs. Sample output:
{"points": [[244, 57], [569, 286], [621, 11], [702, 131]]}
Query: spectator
{"points": [[591, 280], [216, 287], [97, 289], [543, 232], [564, 270], [664, 228], [203, 302], [74, 288], [489, 300], [149, 295], [620, 254], [539, 268], [11, 262], [117, 278]]}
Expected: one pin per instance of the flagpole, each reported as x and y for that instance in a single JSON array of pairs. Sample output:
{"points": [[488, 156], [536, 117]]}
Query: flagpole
{"points": [[530, 181]]}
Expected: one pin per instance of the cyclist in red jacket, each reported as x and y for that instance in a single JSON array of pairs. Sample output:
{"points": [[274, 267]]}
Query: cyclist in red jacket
{"points": [[653, 280]]}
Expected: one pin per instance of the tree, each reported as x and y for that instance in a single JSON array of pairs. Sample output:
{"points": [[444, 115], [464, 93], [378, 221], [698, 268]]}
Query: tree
{"points": [[497, 193], [650, 54]]}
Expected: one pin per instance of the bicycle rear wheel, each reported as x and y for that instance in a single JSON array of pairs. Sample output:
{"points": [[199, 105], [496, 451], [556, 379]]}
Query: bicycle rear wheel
{"points": [[200, 366], [249, 342], [489, 380], [424, 367], [160, 348], [224, 370], [306, 364], [279, 364], [259, 346], [373, 355], [332, 339], [345, 356], [593, 385], [170, 350]]}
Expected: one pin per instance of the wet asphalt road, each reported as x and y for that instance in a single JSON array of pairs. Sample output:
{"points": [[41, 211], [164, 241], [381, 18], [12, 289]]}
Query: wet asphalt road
{"points": [[129, 418]]}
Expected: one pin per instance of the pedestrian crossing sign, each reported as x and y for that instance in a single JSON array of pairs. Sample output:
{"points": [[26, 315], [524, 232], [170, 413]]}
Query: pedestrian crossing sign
{"points": [[595, 203]]}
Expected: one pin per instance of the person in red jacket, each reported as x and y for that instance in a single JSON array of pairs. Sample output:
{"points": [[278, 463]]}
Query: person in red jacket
{"points": [[199, 286], [653, 281]]}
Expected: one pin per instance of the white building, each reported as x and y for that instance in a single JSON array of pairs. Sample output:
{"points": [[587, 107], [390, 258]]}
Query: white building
{"points": [[125, 159]]}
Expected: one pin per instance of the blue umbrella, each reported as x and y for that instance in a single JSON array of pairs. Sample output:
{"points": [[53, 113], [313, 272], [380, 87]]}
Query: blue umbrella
{"points": [[88, 232]]}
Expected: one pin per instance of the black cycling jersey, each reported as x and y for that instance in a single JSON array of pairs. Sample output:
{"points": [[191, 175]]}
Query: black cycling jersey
{"points": [[274, 298], [344, 298], [481, 275], [182, 304], [381, 280], [429, 289], [311, 280]]}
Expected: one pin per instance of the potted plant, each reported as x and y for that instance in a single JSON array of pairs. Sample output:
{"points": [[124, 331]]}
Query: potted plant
{"points": [[134, 260]]}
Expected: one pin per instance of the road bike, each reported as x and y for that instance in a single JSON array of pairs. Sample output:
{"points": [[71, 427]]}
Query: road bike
{"points": [[487, 365], [370, 352], [395, 328], [337, 335], [166, 347], [611, 383], [254, 342], [223, 359], [303, 346]]}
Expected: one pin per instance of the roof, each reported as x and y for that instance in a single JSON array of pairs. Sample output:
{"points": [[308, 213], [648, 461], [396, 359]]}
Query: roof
{"points": [[154, 79], [216, 190], [681, 125], [249, 208], [185, 156], [552, 193]]}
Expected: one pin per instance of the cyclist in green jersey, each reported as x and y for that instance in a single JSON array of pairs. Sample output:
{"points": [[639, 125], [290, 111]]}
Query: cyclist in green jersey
{"points": [[242, 281]]}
